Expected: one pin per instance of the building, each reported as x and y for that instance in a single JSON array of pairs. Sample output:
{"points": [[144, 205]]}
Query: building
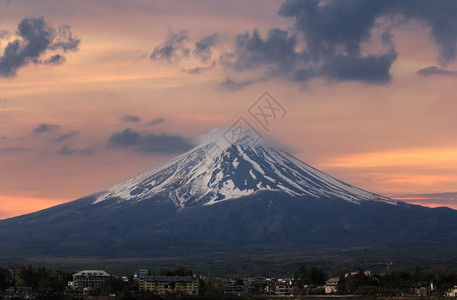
{"points": [[452, 292], [168, 284], [235, 289], [420, 291], [283, 287], [331, 285], [89, 279]]}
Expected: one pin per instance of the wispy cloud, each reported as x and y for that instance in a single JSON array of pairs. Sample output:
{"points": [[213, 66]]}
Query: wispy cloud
{"points": [[44, 127], [66, 136], [13, 150], [131, 118], [201, 69], [203, 48], [173, 48], [231, 85], [69, 150], [56, 59], [431, 71], [155, 121]]}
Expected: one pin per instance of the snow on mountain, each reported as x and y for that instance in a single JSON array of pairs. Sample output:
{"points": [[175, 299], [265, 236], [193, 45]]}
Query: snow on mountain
{"points": [[217, 170]]}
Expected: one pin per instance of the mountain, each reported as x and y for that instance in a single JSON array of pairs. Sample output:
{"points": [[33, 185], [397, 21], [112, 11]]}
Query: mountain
{"points": [[217, 171], [226, 196]]}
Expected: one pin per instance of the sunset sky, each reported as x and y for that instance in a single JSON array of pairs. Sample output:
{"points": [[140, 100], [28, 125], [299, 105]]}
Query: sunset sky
{"points": [[94, 92]]}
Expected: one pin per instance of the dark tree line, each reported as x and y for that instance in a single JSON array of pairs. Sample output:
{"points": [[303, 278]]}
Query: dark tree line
{"points": [[6, 279], [310, 276], [178, 272], [39, 279], [42, 279], [398, 282]]}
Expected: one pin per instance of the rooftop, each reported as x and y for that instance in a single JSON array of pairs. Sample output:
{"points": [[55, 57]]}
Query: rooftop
{"points": [[92, 273]]}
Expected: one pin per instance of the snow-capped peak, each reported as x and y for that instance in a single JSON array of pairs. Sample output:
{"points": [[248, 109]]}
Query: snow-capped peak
{"points": [[227, 165]]}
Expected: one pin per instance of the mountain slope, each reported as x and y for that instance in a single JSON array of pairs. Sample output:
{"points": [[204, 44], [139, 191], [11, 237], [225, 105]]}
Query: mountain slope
{"points": [[227, 198]]}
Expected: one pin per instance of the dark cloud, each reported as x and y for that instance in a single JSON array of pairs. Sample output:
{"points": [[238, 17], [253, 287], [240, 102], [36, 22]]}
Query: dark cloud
{"points": [[132, 119], [68, 150], [334, 27], [65, 40], [234, 85], [127, 137], [429, 71], [203, 48], [173, 48], [149, 142], [155, 121], [277, 51], [66, 136], [370, 69], [35, 39], [332, 33], [42, 128], [56, 59], [327, 37]]}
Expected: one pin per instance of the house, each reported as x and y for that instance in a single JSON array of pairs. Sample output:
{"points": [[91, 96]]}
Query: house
{"points": [[420, 291], [331, 285], [168, 284], [283, 287], [88, 279], [452, 292], [236, 289]]}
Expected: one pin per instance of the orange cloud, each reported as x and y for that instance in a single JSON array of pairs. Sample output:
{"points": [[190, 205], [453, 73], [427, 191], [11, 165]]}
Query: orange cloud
{"points": [[432, 170], [15, 205], [412, 157]]}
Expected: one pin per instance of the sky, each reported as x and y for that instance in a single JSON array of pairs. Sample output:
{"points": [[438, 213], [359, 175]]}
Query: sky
{"points": [[93, 92]]}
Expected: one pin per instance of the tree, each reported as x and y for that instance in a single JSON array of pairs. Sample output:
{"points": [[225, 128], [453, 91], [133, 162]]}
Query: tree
{"points": [[317, 276], [359, 283], [210, 290], [6, 279], [309, 276], [339, 272], [114, 285], [42, 279], [178, 272], [20, 283]]}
